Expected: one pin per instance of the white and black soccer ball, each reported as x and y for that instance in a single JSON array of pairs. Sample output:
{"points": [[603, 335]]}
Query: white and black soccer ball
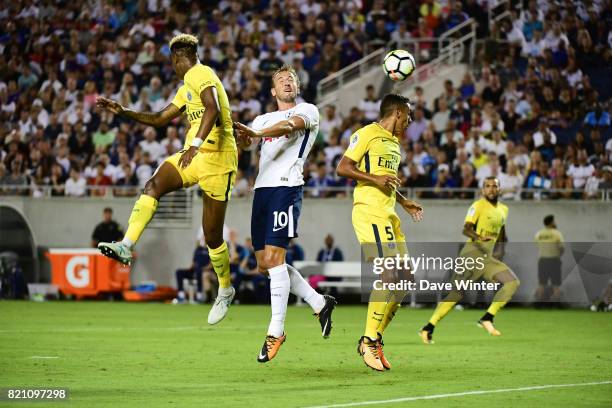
{"points": [[399, 65]]}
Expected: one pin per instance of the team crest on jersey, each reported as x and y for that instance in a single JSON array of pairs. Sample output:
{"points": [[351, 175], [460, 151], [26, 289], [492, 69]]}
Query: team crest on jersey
{"points": [[188, 95], [354, 141]]}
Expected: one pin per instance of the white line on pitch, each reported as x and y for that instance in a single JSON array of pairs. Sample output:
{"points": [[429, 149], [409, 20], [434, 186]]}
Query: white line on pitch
{"points": [[460, 394], [44, 357]]}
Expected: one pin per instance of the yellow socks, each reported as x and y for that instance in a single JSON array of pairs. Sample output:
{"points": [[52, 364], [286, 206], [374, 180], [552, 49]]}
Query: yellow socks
{"points": [[143, 211], [376, 312], [441, 310], [503, 296], [390, 310], [220, 260]]}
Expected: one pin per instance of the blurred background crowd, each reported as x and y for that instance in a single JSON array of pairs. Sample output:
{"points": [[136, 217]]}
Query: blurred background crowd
{"points": [[535, 111]]}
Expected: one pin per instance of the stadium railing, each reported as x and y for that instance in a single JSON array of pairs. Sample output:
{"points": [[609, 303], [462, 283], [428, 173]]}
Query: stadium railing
{"points": [[178, 204], [463, 32]]}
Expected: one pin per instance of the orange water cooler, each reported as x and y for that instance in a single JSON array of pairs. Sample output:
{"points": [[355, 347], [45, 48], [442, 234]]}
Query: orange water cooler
{"points": [[86, 272]]}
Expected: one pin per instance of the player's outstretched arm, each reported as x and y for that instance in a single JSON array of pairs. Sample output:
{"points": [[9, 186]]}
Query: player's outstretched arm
{"points": [[211, 113], [348, 168], [156, 119], [280, 129]]}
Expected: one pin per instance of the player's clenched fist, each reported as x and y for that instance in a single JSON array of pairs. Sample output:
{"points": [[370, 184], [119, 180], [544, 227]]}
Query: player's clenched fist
{"points": [[110, 105]]}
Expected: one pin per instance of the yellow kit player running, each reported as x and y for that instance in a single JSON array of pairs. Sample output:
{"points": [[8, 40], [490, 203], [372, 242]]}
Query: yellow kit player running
{"points": [[484, 226], [209, 159], [372, 159]]}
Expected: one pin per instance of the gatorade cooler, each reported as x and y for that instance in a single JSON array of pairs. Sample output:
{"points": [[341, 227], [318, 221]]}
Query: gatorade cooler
{"points": [[86, 272]]}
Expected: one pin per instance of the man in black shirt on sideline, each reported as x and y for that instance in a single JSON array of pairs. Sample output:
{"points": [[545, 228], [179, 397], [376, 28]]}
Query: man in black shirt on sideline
{"points": [[108, 230]]}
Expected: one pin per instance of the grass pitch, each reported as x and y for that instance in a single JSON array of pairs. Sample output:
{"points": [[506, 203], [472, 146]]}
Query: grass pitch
{"points": [[149, 355]]}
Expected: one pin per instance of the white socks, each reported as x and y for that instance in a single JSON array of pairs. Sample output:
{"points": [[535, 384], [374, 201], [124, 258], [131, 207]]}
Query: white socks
{"points": [[301, 288], [127, 242], [225, 291], [279, 296]]}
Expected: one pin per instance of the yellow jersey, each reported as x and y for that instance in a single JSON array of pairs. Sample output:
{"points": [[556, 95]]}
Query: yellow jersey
{"points": [[488, 220], [376, 151], [187, 99], [550, 242]]}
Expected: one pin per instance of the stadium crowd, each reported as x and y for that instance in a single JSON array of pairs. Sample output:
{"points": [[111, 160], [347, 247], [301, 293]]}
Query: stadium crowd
{"points": [[535, 114]]}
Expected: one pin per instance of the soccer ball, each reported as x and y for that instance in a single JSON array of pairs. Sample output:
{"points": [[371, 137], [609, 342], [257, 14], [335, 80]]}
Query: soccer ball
{"points": [[399, 65]]}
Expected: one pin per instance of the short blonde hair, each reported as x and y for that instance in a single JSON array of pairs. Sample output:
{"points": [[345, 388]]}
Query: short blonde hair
{"points": [[287, 68], [183, 40]]}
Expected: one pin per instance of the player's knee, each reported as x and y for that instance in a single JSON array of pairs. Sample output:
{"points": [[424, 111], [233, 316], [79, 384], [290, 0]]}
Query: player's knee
{"points": [[152, 188], [514, 284], [270, 260]]}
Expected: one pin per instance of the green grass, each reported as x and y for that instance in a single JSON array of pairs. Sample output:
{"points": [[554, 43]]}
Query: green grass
{"points": [[148, 355]]}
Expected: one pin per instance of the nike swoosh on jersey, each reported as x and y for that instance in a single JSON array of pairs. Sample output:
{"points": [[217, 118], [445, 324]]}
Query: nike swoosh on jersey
{"points": [[277, 229]]}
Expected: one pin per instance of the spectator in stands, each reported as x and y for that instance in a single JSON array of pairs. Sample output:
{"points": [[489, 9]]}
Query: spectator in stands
{"points": [[151, 145], [200, 264], [430, 11], [329, 121], [248, 274], [580, 170], [320, 181], [370, 105], [76, 185], [417, 126], [106, 231], [330, 253], [145, 169], [597, 117], [544, 130], [593, 183], [561, 182], [511, 182], [104, 137], [99, 179], [606, 184], [295, 252], [456, 16], [15, 181], [441, 117], [540, 179]]}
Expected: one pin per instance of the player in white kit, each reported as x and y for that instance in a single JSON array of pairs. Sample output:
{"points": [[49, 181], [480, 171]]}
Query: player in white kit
{"points": [[286, 137]]}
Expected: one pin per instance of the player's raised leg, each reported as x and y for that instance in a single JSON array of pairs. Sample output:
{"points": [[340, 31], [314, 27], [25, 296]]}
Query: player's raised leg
{"points": [[443, 308], [510, 284], [213, 218], [165, 180], [322, 305]]}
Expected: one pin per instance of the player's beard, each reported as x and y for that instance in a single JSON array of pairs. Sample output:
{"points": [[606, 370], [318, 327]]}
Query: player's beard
{"points": [[287, 98]]}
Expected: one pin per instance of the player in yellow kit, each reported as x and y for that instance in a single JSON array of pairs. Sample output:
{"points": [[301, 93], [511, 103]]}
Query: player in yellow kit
{"points": [[372, 159], [485, 225], [209, 159]]}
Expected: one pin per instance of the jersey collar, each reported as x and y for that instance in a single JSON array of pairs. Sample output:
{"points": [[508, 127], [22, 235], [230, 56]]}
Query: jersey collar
{"points": [[385, 131]]}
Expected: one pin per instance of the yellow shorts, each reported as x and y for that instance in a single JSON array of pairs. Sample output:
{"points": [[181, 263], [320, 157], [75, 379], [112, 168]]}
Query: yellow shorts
{"points": [[379, 235], [486, 265], [215, 172]]}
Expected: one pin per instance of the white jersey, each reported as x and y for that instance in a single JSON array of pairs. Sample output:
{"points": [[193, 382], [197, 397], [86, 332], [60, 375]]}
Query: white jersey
{"points": [[282, 158]]}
